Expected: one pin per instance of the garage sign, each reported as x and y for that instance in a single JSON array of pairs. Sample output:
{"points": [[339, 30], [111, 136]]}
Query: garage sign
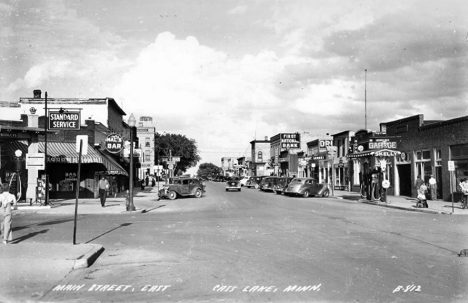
{"points": [[114, 143]]}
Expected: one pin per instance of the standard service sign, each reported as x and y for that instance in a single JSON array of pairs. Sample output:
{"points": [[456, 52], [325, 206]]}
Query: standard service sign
{"points": [[114, 143], [64, 121]]}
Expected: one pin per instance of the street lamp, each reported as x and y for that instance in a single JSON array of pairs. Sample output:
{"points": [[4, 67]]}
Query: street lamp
{"points": [[131, 123], [18, 154]]}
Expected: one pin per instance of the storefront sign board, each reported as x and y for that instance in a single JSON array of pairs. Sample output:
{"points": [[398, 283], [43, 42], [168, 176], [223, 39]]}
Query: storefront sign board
{"points": [[114, 143], [451, 165], [35, 161], [64, 121]]}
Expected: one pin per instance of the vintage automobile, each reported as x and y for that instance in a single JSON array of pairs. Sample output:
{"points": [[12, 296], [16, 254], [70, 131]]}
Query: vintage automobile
{"points": [[306, 187], [281, 184], [244, 180], [254, 181], [182, 187], [268, 183], [234, 184]]}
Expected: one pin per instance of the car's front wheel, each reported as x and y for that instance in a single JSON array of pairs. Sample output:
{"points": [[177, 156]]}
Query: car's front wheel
{"points": [[305, 194], [325, 194], [172, 195], [198, 193], [256, 186]]}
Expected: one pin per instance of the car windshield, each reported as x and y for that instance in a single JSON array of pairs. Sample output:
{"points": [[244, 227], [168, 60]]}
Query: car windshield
{"points": [[298, 181]]}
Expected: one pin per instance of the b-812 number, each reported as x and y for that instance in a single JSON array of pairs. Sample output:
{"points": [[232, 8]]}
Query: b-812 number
{"points": [[408, 288]]}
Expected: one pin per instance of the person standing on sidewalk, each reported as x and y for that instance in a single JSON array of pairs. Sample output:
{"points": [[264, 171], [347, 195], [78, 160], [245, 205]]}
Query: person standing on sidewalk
{"points": [[103, 187], [6, 201], [433, 188], [417, 184], [464, 191]]}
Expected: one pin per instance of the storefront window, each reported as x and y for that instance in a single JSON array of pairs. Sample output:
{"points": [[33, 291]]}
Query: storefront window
{"points": [[68, 183], [423, 164], [438, 156]]}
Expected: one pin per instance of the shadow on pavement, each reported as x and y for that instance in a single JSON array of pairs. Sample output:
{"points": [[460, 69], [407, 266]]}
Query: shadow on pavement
{"points": [[44, 223], [148, 210], [121, 225], [28, 236]]}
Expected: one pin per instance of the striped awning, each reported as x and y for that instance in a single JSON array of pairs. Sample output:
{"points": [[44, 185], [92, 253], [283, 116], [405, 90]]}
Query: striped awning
{"points": [[65, 152], [112, 166]]}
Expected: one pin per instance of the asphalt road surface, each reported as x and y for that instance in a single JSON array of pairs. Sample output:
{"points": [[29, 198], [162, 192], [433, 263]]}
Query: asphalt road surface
{"points": [[252, 246]]}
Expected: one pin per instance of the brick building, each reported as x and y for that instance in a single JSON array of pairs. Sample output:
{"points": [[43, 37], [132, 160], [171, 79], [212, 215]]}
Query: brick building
{"points": [[426, 147], [62, 158]]}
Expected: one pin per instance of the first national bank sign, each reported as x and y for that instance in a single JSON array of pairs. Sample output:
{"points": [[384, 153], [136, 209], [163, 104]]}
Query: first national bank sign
{"points": [[64, 120]]}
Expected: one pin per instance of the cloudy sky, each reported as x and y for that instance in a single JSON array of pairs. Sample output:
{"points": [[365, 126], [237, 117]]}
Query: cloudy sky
{"points": [[224, 72]]}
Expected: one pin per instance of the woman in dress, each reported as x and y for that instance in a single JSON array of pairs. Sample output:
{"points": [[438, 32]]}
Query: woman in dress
{"points": [[7, 200]]}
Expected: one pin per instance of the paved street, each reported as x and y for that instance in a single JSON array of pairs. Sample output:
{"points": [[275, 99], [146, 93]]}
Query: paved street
{"points": [[252, 246]]}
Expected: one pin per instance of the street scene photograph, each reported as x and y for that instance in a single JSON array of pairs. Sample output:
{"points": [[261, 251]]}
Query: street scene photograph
{"points": [[233, 151]]}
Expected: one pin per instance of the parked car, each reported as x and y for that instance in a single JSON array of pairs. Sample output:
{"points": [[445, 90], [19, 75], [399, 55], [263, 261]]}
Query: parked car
{"points": [[182, 187], [306, 187], [233, 184], [268, 183], [254, 181], [281, 184], [244, 180]]}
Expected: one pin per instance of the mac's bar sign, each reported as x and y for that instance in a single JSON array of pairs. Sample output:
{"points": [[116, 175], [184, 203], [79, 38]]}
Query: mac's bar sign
{"points": [[114, 143], [59, 120]]}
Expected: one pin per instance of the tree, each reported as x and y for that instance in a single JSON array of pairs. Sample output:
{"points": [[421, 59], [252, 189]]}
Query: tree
{"points": [[176, 146], [206, 170]]}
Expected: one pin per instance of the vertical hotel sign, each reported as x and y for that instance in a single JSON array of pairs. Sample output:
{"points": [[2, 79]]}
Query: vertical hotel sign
{"points": [[64, 120]]}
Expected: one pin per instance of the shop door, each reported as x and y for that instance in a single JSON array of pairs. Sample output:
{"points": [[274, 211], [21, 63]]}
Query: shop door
{"points": [[404, 171], [438, 177]]}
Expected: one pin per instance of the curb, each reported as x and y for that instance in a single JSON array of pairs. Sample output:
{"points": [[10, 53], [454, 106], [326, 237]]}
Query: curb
{"points": [[88, 259], [404, 208]]}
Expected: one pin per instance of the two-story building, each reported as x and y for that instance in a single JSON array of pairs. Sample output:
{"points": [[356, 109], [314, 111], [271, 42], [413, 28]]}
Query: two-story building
{"points": [[260, 164]]}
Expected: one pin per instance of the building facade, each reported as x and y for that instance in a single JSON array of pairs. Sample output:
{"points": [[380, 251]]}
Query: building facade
{"points": [[260, 164], [146, 132], [60, 145], [284, 149], [426, 149]]}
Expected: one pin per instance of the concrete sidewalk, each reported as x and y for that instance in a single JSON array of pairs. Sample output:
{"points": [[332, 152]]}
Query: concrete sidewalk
{"points": [[407, 203]]}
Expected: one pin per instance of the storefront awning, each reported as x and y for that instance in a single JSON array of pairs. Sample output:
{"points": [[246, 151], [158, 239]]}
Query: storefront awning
{"points": [[65, 152], [113, 168], [378, 153]]}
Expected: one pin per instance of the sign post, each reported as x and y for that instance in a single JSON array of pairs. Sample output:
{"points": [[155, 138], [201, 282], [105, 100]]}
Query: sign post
{"points": [[451, 168], [77, 189]]}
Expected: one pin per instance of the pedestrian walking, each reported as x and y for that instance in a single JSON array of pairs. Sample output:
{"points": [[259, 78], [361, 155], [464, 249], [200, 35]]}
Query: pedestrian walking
{"points": [[147, 180], [103, 188], [153, 181], [7, 200], [433, 188]]}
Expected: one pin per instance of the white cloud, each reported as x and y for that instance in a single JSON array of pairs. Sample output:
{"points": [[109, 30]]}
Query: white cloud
{"points": [[238, 10]]}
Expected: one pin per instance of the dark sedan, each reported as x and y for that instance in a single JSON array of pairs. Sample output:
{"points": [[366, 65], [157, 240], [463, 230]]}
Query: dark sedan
{"points": [[306, 187], [281, 184], [268, 183]]}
